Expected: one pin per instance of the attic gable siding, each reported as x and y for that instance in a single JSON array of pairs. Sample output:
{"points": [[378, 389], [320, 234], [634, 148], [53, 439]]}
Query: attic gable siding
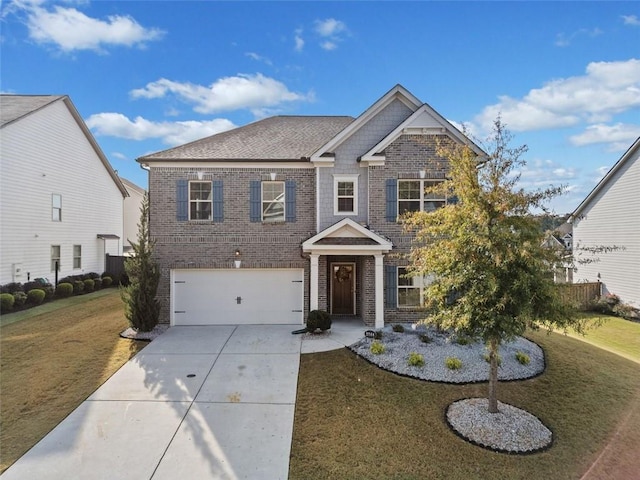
{"points": [[613, 218], [45, 153], [347, 160]]}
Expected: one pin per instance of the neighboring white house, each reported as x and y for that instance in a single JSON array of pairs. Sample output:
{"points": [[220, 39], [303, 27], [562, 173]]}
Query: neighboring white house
{"points": [[61, 199], [132, 205], [610, 217]]}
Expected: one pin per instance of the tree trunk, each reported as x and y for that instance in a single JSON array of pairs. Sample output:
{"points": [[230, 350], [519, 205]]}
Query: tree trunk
{"points": [[493, 375]]}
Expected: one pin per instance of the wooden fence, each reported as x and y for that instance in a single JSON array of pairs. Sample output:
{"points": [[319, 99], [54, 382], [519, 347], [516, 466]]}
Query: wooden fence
{"points": [[580, 294]]}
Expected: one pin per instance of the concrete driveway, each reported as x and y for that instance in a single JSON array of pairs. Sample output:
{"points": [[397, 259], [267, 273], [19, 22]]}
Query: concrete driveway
{"points": [[197, 403]]}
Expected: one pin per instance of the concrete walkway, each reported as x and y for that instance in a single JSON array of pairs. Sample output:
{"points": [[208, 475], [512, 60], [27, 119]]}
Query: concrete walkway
{"points": [[197, 403]]}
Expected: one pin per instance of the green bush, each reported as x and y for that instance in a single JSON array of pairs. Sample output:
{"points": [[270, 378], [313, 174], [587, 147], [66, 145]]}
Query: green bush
{"points": [[453, 363], [36, 296], [424, 338], [462, 340], [523, 358], [398, 328], [377, 347], [97, 283], [6, 302], [64, 290], [378, 335], [78, 287], [106, 282], [89, 285], [487, 358], [318, 319], [416, 360], [20, 299]]}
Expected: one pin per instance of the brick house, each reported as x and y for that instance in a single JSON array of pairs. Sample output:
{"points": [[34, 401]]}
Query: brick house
{"points": [[263, 223]]}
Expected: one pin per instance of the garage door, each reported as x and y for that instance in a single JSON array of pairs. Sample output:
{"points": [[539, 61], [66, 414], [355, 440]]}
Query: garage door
{"points": [[242, 296]]}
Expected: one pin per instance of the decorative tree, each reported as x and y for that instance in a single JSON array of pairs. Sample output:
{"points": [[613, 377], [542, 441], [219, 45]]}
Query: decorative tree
{"points": [[141, 306], [491, 275]]}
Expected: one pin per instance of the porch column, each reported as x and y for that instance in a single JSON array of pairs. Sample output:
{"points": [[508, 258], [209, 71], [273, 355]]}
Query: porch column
{"points": [[379, 292], [313, 282]]}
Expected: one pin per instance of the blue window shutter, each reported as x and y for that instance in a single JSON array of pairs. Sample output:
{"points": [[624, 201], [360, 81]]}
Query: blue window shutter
{"points": [[391, 286], [182, 200], [255, 201], [290, 200], [218, 201], [392, 199]]}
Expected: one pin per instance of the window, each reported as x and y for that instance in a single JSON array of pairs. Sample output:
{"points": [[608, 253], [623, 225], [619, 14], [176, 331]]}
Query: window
{"points": [[273, 202], [413, 198], [77, 256], [345, 188], [55, 257], [410, 289], [200, 200], [56, 207]]}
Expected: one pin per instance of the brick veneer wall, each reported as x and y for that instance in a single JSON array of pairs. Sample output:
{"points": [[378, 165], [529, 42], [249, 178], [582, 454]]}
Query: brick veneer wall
{"points": [[205, 244]]}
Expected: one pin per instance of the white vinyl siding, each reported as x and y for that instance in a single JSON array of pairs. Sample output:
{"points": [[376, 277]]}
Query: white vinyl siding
{"points": [[43, 153], [612, 219]]}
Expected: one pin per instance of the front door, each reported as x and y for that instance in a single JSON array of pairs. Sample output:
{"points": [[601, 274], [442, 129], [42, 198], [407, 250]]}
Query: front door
{"points": [[343, 288]]}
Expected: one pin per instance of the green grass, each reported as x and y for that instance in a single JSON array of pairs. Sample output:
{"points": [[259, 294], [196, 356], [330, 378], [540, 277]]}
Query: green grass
{"points": [[356, 421], [615, 335]]}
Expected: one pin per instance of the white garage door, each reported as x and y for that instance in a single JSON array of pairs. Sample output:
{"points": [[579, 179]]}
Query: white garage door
{"points": [[242, 296]]}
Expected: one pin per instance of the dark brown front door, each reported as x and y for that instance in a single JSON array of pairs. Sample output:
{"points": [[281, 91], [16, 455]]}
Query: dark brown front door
{"points": [[343, 283]]}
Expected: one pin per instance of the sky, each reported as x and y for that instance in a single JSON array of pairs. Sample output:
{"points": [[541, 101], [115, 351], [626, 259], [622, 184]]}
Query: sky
{"points": [[148, 75]]}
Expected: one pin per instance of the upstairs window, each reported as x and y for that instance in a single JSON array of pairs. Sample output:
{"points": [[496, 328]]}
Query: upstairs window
{"points": [[414, 197], [200, 200], [56, 207], [273, 201], [345, 189]]}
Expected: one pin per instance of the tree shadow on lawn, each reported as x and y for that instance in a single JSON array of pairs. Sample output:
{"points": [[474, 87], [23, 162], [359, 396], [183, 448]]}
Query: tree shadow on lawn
{"points": [[354, 420]]}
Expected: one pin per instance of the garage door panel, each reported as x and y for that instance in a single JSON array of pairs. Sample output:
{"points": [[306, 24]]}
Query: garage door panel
{"points": [[242, 296]]}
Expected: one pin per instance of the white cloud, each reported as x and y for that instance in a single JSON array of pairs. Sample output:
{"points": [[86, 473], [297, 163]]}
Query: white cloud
{"points": [[631, 20], [543, 173], [119, 156], [607, 88], [564, 40], [69, 29], [298, 40], [172, 133], [254, 92], [619, 136], [331, 31], [259, 58]]}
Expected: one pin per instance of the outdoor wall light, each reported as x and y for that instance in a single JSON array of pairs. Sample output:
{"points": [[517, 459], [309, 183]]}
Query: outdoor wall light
{"points": [[423, 173], [200, 175], [273, 176], [237, 262]]}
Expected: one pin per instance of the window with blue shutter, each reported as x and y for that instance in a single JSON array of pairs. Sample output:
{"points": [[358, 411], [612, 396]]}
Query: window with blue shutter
{"points": [[290, 201], [391, 286], [255, 201], [392, 199], [182, 200], [218, 201]]}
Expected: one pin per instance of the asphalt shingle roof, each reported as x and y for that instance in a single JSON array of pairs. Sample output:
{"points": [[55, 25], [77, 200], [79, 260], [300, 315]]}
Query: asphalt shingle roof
{"points": [[274, 138], [13, 107]]}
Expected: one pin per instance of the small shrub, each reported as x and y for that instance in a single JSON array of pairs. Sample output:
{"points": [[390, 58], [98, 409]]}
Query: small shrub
{"points": [[453, 363], [78, 287], [12, 288], [416, 360], [49, 291], [424, 338], [36, 296], [89, 285], [377, 347], [462, 340], [6, 302], [64, 290], [97, 283], [398, 328], [318, 319], [487, 358], [20, 299], [522, 358], [106, 282], [378, 335]]}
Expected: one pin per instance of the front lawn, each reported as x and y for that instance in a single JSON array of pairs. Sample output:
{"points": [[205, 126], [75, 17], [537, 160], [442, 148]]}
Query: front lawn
{"points": [[51, 360], [355, 421]]}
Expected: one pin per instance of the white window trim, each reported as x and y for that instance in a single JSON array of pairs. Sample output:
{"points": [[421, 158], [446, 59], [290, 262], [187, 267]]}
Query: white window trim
{"points": [[53, 259], [345, 178], [418, 282], [54, 208], [210, 201], [79, 257], [283, 201], [422, 197]]}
